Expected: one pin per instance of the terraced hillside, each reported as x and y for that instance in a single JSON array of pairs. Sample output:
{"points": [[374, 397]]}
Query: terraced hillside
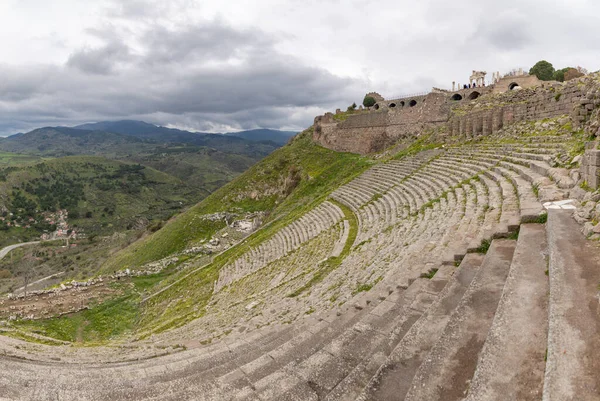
{"points": [[434, 274]]}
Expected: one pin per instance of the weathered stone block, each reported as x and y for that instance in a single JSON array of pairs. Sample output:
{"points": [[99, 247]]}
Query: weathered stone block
{"points": [[594, 157]]}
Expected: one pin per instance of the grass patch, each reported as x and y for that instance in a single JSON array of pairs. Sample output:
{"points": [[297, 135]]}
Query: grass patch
{"points": [[514, 235], [376, 197], [362, 288], [484, 247], [586, 187], [99, 324], [430, 273], [541, 219], [19, 335], [420, 145]]}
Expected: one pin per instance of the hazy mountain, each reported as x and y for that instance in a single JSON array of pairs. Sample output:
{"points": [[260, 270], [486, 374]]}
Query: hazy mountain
{"points": [[204, 161], [257, 135], [144, 130], [63, 141]]}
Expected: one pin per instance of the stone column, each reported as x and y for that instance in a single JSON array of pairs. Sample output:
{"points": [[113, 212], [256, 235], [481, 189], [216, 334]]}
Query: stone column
{"points": [[453, 86], [497, 120], [468, 128], [487, 123], [477, 125]]}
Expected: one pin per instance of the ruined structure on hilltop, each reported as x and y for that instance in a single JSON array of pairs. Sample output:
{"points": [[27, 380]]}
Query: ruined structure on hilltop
{"points": [[409, 116]]}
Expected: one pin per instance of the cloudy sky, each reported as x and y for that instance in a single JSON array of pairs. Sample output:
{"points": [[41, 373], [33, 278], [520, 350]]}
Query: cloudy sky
{"points": [[228, 65]]}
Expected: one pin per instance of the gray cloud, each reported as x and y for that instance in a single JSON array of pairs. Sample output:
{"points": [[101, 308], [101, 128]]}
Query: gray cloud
{"points": [[101, 60], [506, 31], [220, 66], [209, 76]]}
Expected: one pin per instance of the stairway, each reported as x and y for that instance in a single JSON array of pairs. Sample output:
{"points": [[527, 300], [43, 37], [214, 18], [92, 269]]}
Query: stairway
{"points": [[481, 328]]}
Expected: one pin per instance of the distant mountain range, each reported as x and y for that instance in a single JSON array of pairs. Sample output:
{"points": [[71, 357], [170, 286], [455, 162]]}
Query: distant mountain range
{"points": [[118, 138], [258, 135], [203, 160], [144, 130]]}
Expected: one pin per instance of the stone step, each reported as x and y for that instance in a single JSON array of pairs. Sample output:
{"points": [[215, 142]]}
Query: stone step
{"points": [[376, 333], [392, 379], [510, 206], [529, 207], [398, 308], [574, 313], [511, 364], [447, 369]]}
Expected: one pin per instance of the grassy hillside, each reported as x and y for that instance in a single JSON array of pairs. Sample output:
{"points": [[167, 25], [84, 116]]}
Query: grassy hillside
{"points": [[286, 184], [258, 135], [203, 161], [101, 196], [283, 184], [204, 168]]}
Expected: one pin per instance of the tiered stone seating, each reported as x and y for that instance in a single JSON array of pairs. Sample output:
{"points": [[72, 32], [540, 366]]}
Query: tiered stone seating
{"points": [[377, 326], [286, 240]]}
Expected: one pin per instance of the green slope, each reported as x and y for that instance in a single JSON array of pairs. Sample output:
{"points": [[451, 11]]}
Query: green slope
{"points": [[287, 184], [284, 184], [101, 195]]}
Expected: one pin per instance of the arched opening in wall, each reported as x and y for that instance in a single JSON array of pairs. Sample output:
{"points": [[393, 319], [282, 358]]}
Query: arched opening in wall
{"points": [[402, 103], [513, 86], [456, 96], [474, 95], [392, 105], [376, 107], [412, 103]]}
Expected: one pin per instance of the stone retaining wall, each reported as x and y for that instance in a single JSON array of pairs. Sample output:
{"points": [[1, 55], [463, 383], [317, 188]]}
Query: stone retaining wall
{"points": [[372, 131], [369, 132], [524, 105]]}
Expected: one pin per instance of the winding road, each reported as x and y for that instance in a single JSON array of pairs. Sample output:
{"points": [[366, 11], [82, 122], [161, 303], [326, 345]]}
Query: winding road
{"points": [[9, 248]]}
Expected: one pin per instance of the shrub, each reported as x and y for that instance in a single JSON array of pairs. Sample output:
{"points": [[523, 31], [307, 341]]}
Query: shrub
{"points": [[543, 70], [572, 73], [369, 101], [559, 75], [154, 227]]}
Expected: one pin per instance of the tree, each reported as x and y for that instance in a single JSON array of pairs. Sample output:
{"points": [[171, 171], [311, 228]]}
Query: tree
{"points": [[352, 107], [369, 101], [543, 70], [573, 73], [559, 75]]}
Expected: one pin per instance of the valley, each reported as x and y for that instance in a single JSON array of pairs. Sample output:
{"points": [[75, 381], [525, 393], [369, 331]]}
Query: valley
{"points": [[86, 194]]}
